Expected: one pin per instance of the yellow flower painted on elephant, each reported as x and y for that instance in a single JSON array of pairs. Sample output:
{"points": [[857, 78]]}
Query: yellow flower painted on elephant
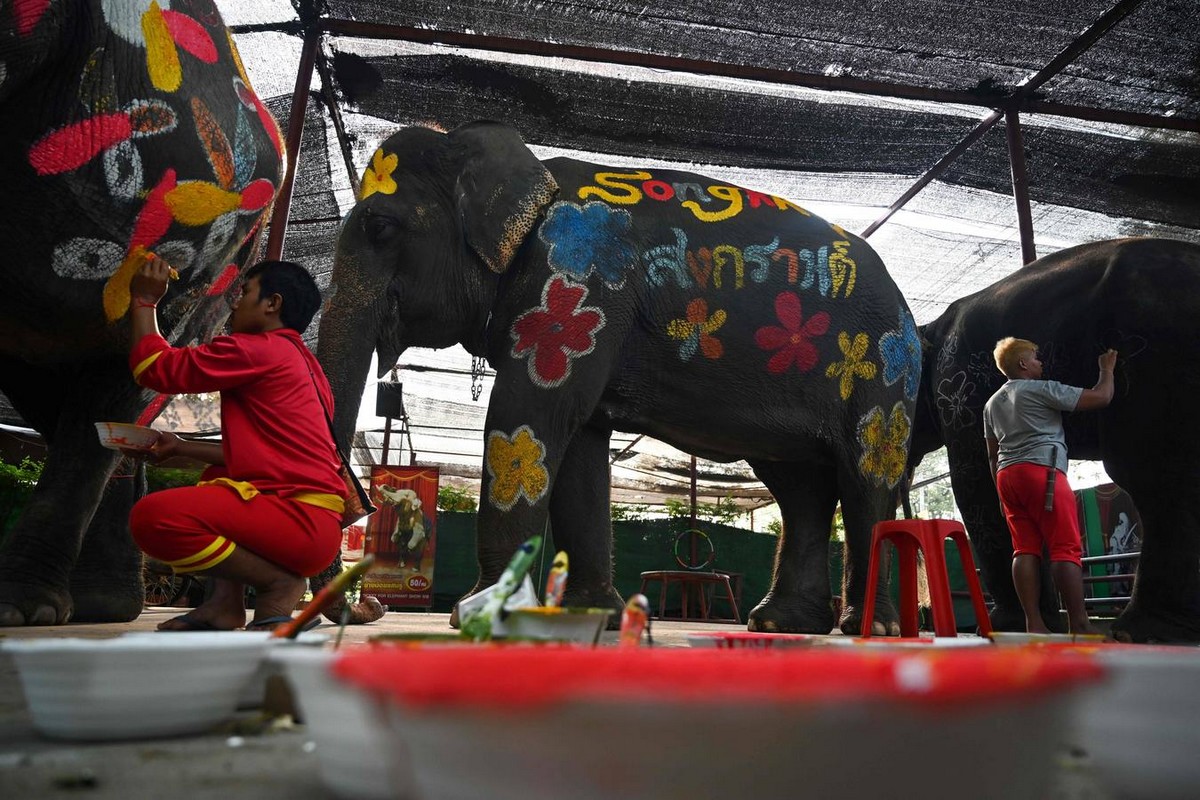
{"points": [[378, 177], [515, 464], [884, 443], [853, 366]]}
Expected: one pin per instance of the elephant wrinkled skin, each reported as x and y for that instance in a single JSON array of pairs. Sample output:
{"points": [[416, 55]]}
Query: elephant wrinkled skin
{"points": [[1141, 297], [729, 323], [126, 127]]}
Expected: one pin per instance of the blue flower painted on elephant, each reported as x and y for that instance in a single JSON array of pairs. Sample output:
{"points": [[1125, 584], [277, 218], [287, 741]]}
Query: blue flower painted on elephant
{"points": [[953, 395], [901, 351], [589, 238]]}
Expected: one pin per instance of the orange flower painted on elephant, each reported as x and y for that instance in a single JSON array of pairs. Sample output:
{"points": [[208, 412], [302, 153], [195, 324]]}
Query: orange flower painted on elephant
{"points": [[696, 331], [853, 365], [884, 442], [378, 176], [515, 465]]}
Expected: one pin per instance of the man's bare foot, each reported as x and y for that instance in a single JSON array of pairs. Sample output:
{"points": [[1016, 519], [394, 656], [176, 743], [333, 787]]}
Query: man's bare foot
{"points": [[279, 598]]}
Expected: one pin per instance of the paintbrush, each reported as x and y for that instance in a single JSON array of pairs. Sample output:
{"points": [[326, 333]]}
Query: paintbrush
{"points": [[335, 588]]}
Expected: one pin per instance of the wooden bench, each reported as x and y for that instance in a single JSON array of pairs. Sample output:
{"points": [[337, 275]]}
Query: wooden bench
{"points": [[690, 581]]}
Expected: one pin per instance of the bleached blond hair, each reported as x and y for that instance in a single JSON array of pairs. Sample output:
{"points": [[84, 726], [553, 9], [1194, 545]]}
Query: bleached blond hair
{"points": [[1008, 354]]}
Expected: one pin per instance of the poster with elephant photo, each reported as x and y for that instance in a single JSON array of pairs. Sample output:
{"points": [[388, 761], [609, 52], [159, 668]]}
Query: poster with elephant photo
{"points": [[402, 535]]}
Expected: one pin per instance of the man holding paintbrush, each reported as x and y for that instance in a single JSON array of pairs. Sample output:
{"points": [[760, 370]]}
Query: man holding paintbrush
{"points": [[1027, 452]]}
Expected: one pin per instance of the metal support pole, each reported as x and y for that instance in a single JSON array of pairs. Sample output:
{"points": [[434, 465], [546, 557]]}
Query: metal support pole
{"points": [[283, 200], [692, 534], [1020, 182]]}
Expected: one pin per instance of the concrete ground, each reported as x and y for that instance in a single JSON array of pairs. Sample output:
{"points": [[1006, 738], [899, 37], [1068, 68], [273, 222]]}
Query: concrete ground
{"points": [[245, 759]]}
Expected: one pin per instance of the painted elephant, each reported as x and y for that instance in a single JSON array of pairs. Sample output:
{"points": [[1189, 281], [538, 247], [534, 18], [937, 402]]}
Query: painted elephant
{"points": [[1142, 297], [727, 322], [126, 127]]}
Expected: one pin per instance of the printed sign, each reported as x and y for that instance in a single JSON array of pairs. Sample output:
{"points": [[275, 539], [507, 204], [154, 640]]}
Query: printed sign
{"points": [[1110, 525], [402, 535]]}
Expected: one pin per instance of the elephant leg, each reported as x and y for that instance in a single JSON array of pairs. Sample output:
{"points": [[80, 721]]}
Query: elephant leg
{"points": [[1165, 605], [41, 556], [975, 495], [799, 598], [367, 609], [581, 520]]}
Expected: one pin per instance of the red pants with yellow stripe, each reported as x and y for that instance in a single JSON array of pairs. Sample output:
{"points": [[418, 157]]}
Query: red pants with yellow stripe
{"points": [[197, 527]]}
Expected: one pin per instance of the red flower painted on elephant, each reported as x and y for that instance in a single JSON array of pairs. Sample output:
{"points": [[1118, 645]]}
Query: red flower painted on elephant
{"points": [[556, 333], [791, 339]]}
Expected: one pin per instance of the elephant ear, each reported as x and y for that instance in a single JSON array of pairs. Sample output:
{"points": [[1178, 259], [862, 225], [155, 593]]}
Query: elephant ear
{"points": [[501, 190]]}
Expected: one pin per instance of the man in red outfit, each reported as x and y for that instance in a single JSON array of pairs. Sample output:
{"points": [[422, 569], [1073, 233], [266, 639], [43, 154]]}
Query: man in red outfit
{"points": [[267, 511]]}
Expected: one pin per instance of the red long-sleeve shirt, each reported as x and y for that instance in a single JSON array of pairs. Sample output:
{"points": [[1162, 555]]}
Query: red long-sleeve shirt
{"points": [[275, 432]]}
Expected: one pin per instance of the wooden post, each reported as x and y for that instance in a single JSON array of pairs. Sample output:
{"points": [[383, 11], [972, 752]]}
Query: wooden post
{"points": [[283, 200], [1020, 182]]}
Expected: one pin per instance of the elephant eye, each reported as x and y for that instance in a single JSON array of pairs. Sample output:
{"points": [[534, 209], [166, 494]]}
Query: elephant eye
{"points": [[380, 228]]}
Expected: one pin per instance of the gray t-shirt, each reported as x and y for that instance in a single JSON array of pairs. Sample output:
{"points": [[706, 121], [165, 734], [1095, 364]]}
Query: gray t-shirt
{"points": [[1025, 416]]}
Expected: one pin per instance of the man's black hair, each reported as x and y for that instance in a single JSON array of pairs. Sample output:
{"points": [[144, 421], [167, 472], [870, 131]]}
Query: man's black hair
{"points": [[293, 283]]}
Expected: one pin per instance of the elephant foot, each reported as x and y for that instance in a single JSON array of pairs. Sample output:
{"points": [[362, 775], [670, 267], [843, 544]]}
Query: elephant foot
{"points": [[26, 604], [776, 615], [1138, 625], [367, 609], [885, 622], [602, 597]]}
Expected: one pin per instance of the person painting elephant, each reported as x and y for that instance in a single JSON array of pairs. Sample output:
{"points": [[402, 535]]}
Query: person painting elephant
{"points": [[127, 128], [729, 323], [1027, 455], [1140, 297]]}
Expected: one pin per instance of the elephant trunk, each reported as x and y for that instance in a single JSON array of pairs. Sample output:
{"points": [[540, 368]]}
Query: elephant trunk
{"points": [[344, 344]]}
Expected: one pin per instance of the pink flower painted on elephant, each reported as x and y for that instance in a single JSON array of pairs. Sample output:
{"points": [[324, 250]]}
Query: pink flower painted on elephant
{"points": [[556, 333], [791, 339]]}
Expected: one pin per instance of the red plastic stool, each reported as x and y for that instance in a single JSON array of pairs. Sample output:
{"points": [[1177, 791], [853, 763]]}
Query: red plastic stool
{"points": [[930, 536]]}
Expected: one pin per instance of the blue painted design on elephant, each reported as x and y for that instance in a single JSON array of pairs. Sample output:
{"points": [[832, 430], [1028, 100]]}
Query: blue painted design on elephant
{"points": [[589, 238], [901, 351]]}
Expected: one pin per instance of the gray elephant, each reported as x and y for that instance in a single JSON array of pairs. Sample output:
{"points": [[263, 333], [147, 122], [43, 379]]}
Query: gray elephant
{"points": [[1141, 297], [727, 322], [126, 127]]}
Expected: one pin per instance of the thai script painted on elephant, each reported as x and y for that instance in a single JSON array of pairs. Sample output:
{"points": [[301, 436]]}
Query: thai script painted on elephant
{"points": [[557, 332], [901, 352], [516, 467], [884, 442], [852, 364], [630, 188], [589, 238], [829, 268], [792, 338], [696, 329]]}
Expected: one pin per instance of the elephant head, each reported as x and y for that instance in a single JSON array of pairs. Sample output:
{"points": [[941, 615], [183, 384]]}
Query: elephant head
{"points": [[439, 218]]}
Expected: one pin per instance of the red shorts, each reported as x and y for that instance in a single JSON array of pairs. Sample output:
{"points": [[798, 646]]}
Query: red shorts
{"points": [[197, 527], [1022, 489]]}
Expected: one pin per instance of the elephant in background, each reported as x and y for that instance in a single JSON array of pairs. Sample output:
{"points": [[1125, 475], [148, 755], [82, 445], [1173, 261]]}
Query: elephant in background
{"points": [[408, 533], [1141, 297], [727, 322], [126, 127]]}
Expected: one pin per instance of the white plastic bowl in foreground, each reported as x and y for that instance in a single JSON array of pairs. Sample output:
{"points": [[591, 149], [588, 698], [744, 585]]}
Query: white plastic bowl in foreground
{"points": [[581, 625], [134, 687], [125, 436], [642, 724], [1140, 727], [358, 757]]}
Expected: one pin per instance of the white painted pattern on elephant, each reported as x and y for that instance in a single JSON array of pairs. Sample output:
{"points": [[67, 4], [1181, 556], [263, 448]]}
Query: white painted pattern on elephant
{"points": [[945, 359], [982, 367], [86, 259], [123, 171], [516, 467], [124, 17], [953, 398], [589, 239], [551, 336]]}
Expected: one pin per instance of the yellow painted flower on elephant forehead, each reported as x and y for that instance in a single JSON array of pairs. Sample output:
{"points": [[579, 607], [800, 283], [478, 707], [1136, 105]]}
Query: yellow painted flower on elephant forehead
{"points": [[378, 177], [515, 466], [853, 366], [884, 442]]}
